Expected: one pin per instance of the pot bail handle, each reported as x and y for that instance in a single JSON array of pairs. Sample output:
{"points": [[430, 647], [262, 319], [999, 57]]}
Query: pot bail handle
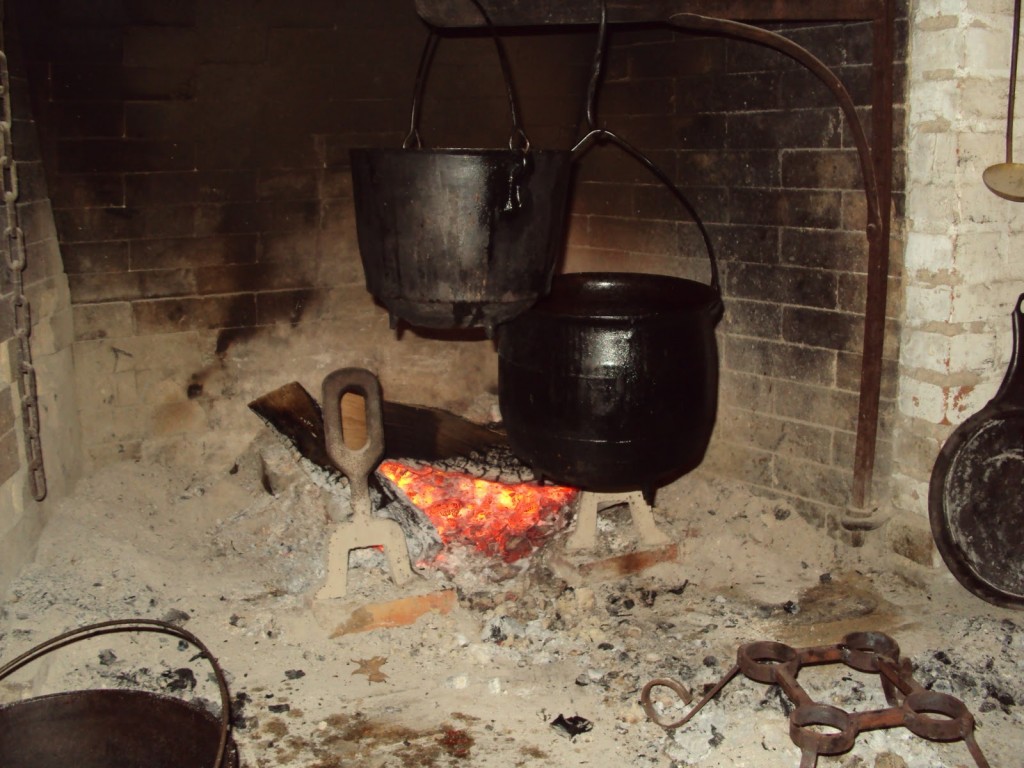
{"points": [[599, 135], [136, 625], [518, 139], [412, 139], [598, 68]]}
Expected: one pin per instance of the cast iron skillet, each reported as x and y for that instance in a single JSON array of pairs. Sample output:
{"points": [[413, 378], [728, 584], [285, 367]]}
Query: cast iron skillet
{"points": [[976, 496]]}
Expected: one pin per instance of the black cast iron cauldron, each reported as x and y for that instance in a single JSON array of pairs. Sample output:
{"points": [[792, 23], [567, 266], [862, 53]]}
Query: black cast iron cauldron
{"points": [[459, 238], [610, 383]]}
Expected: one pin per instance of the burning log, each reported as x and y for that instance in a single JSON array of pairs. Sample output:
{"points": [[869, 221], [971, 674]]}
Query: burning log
{"points": [[466, 486], [495, 518], [410, 431], [293, 412]]}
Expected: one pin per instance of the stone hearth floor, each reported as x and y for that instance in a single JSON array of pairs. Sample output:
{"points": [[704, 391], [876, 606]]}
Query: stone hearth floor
{"points": [[500, 651]]}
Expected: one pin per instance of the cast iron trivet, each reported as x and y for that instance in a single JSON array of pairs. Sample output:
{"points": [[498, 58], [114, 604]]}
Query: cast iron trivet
{"points": [[821, 729]]}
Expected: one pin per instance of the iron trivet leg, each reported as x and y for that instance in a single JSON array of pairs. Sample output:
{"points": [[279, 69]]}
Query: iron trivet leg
{"points": [[584, 535], [356, 463]]}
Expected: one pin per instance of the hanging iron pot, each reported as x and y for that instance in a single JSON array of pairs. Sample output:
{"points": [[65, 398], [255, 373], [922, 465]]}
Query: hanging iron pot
{"points": [[610, 383], [459, 238]]}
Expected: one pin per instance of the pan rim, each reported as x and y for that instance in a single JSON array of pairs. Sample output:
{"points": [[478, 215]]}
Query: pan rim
{"points": [[952, 553]]}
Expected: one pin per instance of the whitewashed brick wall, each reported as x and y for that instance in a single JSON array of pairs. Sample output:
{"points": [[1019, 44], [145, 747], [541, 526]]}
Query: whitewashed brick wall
{"points": [[964, 258]]}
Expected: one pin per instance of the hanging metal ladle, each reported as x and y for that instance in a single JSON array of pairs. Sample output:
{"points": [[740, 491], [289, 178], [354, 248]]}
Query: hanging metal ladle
{"points": [[1007, 179]]}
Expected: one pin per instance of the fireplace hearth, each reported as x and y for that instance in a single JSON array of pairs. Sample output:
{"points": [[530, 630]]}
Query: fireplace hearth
{"points": [[481, 654], [188, 207]]}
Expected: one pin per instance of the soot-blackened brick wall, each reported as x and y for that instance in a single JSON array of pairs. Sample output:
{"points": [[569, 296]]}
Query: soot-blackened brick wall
{"points": [[197, 155], [187, 145], [761, 149], [197, 158]]}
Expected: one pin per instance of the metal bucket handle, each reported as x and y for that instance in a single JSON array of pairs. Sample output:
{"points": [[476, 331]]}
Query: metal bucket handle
{"points": [[517, 140], [597, 135], [136, 625]]}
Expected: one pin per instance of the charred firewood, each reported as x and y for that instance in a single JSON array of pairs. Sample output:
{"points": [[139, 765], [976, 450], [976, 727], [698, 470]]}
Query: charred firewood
{"points": [[410, 431]]}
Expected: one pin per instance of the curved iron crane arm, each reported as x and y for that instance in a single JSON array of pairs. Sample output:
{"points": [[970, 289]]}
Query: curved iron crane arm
{"points": [[874, 327]]}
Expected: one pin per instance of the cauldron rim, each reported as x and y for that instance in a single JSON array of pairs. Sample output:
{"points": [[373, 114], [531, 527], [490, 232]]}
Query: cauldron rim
{"points": [[625, 296]]}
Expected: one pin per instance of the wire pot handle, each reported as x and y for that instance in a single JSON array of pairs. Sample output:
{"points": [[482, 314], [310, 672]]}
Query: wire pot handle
{"points": [[136, 625], [599, 135], [516, 141]]}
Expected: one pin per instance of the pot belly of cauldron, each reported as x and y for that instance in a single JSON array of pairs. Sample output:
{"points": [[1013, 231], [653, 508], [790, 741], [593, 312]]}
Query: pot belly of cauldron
{"points": [[611, 403]]}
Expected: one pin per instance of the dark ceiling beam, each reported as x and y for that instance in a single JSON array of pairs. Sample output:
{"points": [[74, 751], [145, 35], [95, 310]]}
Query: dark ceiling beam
{"points": [[528, 13]]}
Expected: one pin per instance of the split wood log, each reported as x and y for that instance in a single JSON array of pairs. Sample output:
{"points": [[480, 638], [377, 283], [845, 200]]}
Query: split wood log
{"points": [[410, 431]]}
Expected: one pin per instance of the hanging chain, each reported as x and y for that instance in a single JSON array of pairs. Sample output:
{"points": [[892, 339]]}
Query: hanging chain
{"points": [[15, 255]]}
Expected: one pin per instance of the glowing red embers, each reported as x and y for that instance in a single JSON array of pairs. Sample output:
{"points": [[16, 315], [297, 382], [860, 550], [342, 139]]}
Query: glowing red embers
{"points": [[504, 520]]}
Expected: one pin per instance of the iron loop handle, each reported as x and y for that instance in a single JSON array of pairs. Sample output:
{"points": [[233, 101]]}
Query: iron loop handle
{"points": [[763, 661], [599, 135], [952, 723], [355, 462], [1011, 390], [864, 650], [805, 722], [595, 75], [421, 75], [136, 625], [518, 140], [678, 689]]}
